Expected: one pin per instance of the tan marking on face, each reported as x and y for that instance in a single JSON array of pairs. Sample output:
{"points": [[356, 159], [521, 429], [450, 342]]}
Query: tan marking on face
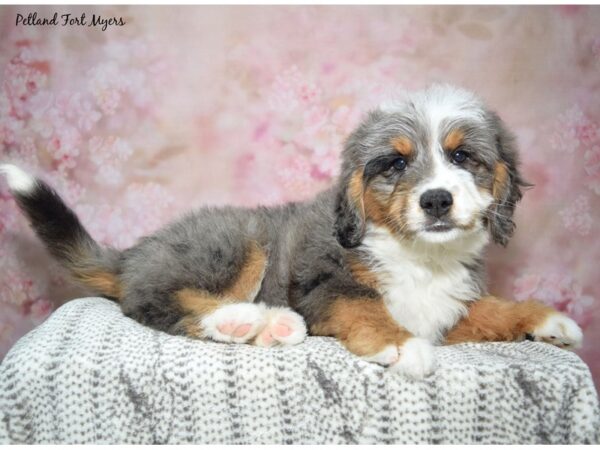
{"points": [[388, 211], [398, 211], [454, 140], [375, 206], [402, 145], [363, 325], [500, 180], [249, 278], [495, 319], [380, 208], [106, 283]]}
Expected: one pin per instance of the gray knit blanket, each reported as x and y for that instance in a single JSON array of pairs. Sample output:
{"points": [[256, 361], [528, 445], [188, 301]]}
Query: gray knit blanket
{"points": [[91, 375]]}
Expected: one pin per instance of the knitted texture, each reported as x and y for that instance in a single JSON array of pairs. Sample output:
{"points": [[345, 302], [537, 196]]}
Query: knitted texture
{"points": [[91, 375]]}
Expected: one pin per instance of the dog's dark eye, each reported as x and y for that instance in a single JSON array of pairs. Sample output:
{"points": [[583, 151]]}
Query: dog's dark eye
{"points": [[399, 164], [459, 156]]}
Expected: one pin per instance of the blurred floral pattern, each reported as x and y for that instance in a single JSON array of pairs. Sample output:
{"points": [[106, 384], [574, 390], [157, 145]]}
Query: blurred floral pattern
{"points": [[190, 106]]}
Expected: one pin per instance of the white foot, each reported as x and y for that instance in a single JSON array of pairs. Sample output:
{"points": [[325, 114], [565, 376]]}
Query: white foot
{"points": [[416, 359], [386, 357], [559, 330], [237, 322], [284, 326]]}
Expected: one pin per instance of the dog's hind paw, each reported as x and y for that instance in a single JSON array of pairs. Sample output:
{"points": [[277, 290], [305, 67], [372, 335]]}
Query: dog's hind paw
{"points": [[237, 322], [284, 326]]}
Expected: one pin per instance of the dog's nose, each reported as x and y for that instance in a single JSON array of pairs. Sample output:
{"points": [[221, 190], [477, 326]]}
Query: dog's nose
{"points": [[436, 202]]}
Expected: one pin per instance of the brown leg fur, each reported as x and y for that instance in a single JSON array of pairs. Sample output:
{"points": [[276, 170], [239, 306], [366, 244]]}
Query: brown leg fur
{"points": [[247, 283], [197, 304], [494, 319], [364, 326]]}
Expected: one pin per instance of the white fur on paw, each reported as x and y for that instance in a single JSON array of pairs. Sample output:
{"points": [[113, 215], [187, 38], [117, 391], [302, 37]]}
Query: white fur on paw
{"points": [[559, 330], [416, 358], [237, 322], [18, 179], [284, 326], [386, 357]]}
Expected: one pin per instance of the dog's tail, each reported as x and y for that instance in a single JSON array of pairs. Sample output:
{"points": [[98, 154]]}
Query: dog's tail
{"points": [[64, 236]]}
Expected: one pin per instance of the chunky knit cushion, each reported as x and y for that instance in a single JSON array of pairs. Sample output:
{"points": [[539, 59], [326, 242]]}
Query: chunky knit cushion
{"points": [[91, 375]]}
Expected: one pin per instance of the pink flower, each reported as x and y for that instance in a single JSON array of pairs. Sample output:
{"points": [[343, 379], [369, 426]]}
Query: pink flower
{"points": [[294, 175], [64, 147], [18, 288], [292, 90], [592, 160], [577, 217], [572, 127], [108, 100], [40, 309], [109, 154], [592, 167], [6, 331], [345, 118], [70, 190], [526, 285], [556, 288], [327, 166]]}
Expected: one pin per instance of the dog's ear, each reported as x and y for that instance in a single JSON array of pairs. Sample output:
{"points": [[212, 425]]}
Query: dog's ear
{"points": [[350, 209], [507, 183], [350, 221]]}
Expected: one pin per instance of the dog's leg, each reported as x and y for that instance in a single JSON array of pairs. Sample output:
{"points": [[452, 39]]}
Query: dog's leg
{"points": [[231, 316], [366, 328], [494, 319]]}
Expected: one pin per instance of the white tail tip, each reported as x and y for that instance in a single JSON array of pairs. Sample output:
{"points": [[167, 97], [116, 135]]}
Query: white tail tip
{"points": [[18, 180]]}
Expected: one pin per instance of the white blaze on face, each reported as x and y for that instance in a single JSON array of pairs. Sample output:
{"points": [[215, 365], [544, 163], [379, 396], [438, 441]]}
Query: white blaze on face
{"points": [[435, 108], [468, 200]]}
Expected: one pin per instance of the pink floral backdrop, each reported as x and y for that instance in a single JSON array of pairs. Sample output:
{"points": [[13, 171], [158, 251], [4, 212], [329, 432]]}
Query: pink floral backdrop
{"points": [[189, 106]]}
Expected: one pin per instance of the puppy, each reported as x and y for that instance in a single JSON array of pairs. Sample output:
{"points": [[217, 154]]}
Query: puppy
{"points": [[389, 260]]}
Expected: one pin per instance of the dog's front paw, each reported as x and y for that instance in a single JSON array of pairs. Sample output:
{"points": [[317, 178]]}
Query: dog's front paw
{"points": [[416, 359], [559, 330]]}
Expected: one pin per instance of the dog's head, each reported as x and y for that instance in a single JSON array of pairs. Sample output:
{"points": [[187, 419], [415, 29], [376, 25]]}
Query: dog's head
{"points": [[434, 167]]}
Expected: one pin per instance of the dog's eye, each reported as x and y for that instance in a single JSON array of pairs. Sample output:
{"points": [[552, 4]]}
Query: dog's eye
{"points": [[399, 164], [459, 156]]}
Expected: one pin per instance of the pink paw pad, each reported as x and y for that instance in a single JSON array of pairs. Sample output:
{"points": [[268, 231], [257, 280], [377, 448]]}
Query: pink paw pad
{"points": [[265, 338], [236, 322], [234, 329], [284, 327], [281, 330]]}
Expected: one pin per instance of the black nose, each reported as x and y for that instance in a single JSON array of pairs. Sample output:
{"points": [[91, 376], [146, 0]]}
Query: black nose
{"points": [[436, 202]]}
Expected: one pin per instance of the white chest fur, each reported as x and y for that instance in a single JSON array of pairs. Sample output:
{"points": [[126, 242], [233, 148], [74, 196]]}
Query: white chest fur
{"points": [[425, 287]]}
